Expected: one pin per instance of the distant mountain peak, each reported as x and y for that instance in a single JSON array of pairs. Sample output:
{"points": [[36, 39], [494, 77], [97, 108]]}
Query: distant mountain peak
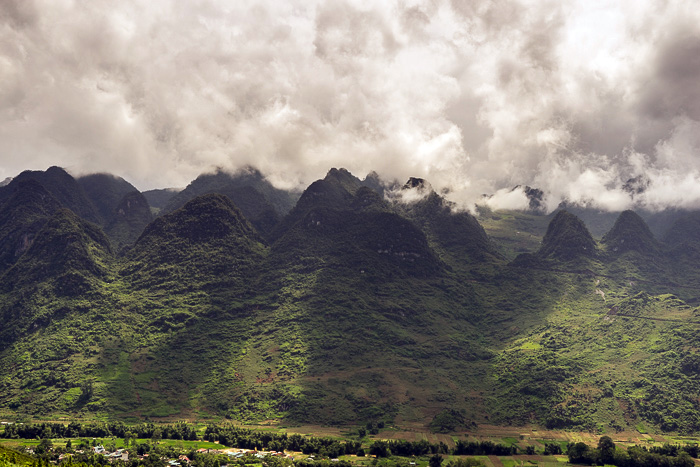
{"points": [[54, 169], [344, 178], [372, 176], [373, 181], [535, 197], [636, 185], [249, 170], [417, 183], [339, 173], [683, 237], [261, 203], [567, 238], [63, 187], [630, 232], [208, 236], [414, 190], [204, 218]]}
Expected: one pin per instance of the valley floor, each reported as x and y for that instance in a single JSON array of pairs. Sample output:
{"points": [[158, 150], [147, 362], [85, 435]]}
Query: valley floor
{"points": [[521, 436]]}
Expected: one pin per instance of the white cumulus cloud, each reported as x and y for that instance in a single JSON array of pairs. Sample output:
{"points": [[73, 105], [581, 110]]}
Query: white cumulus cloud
{"points": [[572, 97]]}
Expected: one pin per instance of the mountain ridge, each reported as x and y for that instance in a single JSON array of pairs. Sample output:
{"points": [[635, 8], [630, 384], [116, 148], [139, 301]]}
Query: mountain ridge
{"points": [[359, 304]]}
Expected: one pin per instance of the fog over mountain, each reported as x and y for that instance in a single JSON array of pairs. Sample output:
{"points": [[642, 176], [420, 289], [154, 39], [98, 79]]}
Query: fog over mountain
{"points": [[590, 101]]}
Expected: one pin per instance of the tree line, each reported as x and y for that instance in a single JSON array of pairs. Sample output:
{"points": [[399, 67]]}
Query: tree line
{"points": [[244, 438], [99, 430], [231, 435], [636, 456]]}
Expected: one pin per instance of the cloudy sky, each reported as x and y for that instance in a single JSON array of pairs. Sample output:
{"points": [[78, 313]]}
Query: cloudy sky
{"points": [[477, 96]]}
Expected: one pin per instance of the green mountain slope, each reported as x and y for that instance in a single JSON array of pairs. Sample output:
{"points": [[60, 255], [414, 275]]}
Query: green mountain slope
{"points": [[67, 253], [352, 308], [683, 237], [49, 302], [607, 355], [567, 238], [357, 320], [456, 235], [207, 239], [630, 233], [634, 251], [189, 278], [22, 216]]}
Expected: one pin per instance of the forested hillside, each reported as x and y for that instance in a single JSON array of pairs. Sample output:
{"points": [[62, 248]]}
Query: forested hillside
{"points": [[344, 304]]}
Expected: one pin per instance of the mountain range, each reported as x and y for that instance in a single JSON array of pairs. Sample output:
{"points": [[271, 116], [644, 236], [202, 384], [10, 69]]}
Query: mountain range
{"points": [[351, 302]]}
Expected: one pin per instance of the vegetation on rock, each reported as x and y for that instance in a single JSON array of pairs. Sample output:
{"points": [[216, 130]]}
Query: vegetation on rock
{"points": [[353, 307]]}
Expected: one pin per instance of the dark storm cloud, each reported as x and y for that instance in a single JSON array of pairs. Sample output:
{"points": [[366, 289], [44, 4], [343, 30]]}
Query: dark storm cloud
{"points": [[569, 96], [18, 13], [673, 83]]}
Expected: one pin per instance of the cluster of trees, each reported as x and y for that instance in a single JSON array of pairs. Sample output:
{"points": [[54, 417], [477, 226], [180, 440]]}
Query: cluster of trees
{"points": [[674, 450], [99, 430], [405, 448], [483, 448], [551, 449], [636, 456], [371, 427], [230, 435]]}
